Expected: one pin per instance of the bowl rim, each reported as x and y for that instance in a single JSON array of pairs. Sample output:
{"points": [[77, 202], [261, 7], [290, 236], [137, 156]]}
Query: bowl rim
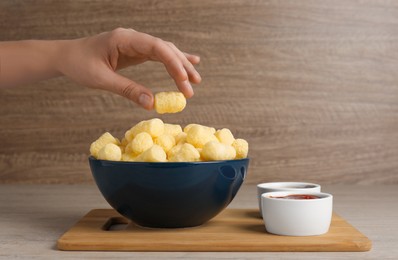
{"points": [[92, 158], [283, 185], [267, 196]]}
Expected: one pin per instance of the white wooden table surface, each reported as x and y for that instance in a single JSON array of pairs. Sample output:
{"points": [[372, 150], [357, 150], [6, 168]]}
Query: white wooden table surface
{"points": [[33, 217]]}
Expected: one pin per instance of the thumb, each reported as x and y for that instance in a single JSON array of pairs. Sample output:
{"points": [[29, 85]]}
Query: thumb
{"points": [[129, 89]]}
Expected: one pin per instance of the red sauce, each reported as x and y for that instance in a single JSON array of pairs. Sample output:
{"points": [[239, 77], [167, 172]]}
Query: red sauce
{"points": [[298, 197]]}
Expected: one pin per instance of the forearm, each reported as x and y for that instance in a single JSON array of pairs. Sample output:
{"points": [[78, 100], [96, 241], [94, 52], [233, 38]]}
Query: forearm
{"points": [[23, 62]]}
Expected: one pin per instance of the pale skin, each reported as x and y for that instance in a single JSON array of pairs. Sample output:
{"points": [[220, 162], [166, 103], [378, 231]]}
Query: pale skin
{"points": [[94, 61]]}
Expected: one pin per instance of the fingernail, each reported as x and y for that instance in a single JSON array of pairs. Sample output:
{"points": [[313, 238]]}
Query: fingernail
{"points": [[145, 100], [197, 58]]}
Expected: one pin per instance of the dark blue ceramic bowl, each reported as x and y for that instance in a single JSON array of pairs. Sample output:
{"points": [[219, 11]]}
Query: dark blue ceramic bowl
{"points": [[169, 195]]}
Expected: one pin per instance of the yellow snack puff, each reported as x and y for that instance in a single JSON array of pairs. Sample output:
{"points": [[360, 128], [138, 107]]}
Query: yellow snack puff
{"points": [[225, 136], [198, 136], [154, 127], [136, 129], [187, 127], [103, 140], [153, 154], [211, 129], [165, 141], [171, 129], [133, 131], [169, 102], [215, 151], [181, 138], [128, 157], [241, 147], [173, 151], [110, 152], [142, 142], [200, 152], [187, 153], [231, 153], [128, 136]]}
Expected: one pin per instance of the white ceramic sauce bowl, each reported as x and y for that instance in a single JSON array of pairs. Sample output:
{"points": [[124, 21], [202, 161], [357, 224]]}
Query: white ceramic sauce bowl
{"points": [[285, 186], [297, 217]]}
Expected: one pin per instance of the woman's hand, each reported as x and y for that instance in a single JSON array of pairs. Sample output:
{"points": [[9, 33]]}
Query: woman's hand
{"points": [[93, 62]]}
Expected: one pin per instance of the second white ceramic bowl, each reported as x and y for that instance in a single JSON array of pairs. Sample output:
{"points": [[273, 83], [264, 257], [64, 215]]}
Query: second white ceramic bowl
{"points": [[297, 217]]}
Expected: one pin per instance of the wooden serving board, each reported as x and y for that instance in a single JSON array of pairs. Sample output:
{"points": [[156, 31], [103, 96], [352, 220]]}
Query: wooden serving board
{"points": [[232, 230]]}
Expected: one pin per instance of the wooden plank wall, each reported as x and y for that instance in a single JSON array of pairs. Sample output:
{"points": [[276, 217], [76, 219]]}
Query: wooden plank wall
{"points": [[312, 85]]}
